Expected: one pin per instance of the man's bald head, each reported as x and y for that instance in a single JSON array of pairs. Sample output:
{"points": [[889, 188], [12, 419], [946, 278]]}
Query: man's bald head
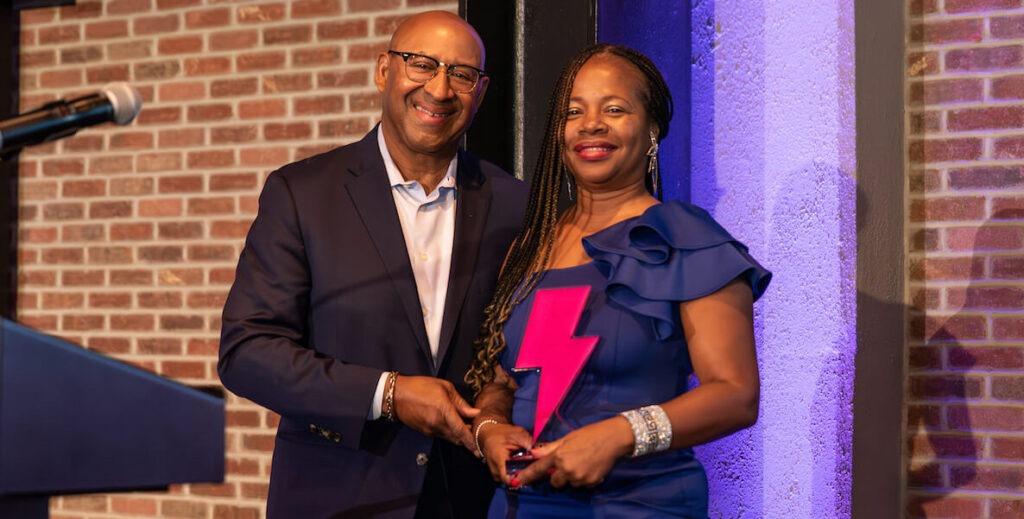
{"points": [[443, 25]]}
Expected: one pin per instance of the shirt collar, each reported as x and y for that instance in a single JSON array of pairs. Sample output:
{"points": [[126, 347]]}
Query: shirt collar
{"points": [[395, 176]]}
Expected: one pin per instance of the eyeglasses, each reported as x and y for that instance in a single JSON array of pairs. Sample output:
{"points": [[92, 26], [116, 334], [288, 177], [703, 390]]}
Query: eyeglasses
{"points": [[421, 69]]}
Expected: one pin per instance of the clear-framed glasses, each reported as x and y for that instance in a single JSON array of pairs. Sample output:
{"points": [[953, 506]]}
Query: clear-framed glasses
{"points": [[421, 69]]}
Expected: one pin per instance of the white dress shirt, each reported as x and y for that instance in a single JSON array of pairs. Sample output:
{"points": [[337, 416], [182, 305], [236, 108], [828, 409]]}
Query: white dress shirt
{"points": [[428, 225]]}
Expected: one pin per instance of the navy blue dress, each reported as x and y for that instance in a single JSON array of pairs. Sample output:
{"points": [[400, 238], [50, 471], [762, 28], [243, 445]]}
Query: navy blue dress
{"points": [[641, 269]]}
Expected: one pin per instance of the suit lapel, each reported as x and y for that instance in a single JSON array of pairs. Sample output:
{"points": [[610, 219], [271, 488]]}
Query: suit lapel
{"points": [[371, 196], [474, 200]]}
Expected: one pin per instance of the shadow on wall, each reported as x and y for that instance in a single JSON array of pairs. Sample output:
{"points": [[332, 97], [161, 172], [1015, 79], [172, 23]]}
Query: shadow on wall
{"points": [[943, 447]]}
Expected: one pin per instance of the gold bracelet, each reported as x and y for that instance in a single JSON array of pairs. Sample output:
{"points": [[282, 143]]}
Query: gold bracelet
{"points": [[389, 398], [476, 435]]}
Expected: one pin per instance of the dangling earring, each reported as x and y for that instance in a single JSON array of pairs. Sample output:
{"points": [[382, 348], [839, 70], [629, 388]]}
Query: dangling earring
{"points": [[568, 185], [652, 166]]}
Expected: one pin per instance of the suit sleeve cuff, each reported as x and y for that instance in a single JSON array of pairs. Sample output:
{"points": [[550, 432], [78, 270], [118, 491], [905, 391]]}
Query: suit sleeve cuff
{"points": [[378, 398]]}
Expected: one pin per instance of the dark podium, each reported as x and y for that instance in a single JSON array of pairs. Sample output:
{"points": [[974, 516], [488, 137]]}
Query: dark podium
{"points": [[73, 421]]}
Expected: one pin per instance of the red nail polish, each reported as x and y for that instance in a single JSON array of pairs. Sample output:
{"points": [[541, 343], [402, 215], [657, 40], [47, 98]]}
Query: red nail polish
{"points": [[514, 483]]}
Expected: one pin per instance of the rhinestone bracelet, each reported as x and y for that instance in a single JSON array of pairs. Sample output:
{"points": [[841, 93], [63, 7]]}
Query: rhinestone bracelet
{"points": [[652, 430]]}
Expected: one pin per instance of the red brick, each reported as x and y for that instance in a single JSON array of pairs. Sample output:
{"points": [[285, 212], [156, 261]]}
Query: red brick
{"points": [[180, 45], [37, 16], [63, 211], [234, 87], [356, 6], [211, 253], [234, 134], [84, 503], [109, 346], [39, 322], [214, 65], [151, 162], [1006, 509], [87, 232], [261, 13], [986, 477], [134, 231], [233, 40], [273, 84], [346, 78], [82, 322], [242, 466], [128, 51], [222, 276], [174, 4], [218, 17], [995, 298], [61, 78], [181, 276], [159, 115], [206, 113], [157, 70], [258, 442], [181, 184], [263, 156], [260, 61], [316, 57], [986, 118], [287, 35], [188, 509], [181, 322], [131, 277], [984, 58], [222, 490], [365, 52], [314, 8], [945, 387], [164, 299], [160, 207], [156, 25], [1008, 208], [159, 346], [54, 301], [81, 10], [129, 6], [947, 150], [947, 209], [947, 268], [41, 58], [1008, 388], [84, 188], [342, 30], [944, 506], [989, 237], [233, 181], [106, 29], [994, 177], [38, 235], [109, 255], [203, 347], [211, 206], [953, 328], [924, 240], [131, 141], [107, 74], [925, 181], [82, 142], [128, 322], [1008, 267], [319, 105], [286, 131], [947, 31], [133, 506], [37, 278], [81, 55], [63, 256], [179, 230], [181, 138], [110, 209], [262, 108], [925, 123], [981, 418], [236, 230], [944, 91], [965, 6], [211, 159], [161, 253], [344, 128], [311, 150]]}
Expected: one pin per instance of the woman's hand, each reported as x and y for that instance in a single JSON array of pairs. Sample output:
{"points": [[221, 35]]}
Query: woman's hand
{"points": [[581, 458], [497, 442]]}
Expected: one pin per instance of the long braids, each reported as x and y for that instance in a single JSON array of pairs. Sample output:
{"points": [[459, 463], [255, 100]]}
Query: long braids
{"points": [[531, 251]]}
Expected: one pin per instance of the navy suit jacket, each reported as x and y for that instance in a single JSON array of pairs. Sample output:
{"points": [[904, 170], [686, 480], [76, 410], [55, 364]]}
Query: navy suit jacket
{"points": [[324, 301]]}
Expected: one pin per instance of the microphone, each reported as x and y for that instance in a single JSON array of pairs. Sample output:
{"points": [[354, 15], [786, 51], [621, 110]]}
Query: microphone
{"points": [[116, 102]]}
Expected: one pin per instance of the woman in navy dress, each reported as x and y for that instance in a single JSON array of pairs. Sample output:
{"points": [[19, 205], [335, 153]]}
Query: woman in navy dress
{"points": [[618, 300]]}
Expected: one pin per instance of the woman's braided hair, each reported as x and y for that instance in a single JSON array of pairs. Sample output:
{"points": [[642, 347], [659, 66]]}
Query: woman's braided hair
{"points": [[531, 251]]}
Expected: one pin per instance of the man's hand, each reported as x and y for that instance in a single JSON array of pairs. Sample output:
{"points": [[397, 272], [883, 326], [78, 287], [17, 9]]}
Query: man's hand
{"points": [[432, 407]]}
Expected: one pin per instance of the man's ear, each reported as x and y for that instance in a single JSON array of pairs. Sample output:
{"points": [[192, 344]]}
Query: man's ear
{"points": [[380, 72]]}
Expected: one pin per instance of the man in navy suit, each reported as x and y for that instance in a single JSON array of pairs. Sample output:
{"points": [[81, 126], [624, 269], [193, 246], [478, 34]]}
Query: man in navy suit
{"points": [[360, 291]]}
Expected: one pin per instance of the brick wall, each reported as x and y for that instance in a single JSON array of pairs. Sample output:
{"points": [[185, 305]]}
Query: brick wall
{"points": [[965, 397], [129, 235]]}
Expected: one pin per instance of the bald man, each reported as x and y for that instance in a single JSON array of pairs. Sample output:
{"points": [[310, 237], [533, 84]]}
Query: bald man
{"points": [[361, 289]]}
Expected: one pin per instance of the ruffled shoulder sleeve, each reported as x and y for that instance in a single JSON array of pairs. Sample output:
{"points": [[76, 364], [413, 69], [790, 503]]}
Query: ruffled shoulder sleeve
{"points": [[672, 252]]}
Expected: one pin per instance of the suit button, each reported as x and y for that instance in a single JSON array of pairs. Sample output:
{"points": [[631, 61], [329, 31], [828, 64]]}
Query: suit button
{"points": [[336, 438], [422, 459], [312, 427]]}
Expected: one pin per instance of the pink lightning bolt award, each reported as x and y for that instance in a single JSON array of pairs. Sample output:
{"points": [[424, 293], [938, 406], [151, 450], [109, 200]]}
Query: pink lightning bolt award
{"points": [[548, 344]]}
